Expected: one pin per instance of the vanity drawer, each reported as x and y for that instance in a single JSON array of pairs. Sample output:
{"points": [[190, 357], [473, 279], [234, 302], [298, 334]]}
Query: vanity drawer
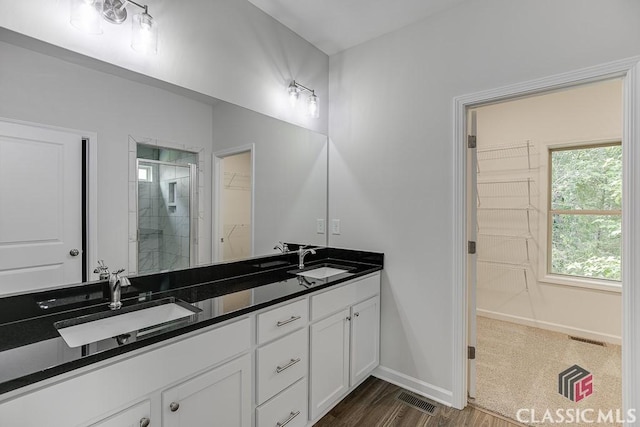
{"points": [[337, 299], [291, 405], [282, 320], [281, 363]]}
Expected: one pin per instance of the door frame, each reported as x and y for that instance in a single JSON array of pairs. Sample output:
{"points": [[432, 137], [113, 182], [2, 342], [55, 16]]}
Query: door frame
{"points": [[91, 190], [218, 181], [629, 70]]}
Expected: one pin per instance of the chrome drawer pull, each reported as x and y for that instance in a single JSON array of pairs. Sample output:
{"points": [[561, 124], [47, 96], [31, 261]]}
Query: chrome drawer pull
{"points": [[284, 322], [287, 366], [288, 420]]}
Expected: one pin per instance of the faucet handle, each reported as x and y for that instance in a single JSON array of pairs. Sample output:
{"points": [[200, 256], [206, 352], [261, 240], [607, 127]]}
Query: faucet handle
{"points": [[119, 271]]}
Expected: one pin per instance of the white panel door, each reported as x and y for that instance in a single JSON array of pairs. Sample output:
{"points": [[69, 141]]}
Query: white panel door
{"points": [[40, 207], [220, 397], [329, 361], [365, 338]]}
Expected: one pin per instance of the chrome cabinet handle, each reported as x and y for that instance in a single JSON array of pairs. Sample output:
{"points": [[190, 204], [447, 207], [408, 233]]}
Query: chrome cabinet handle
{"points": [[287, 366], [356, 314], [74, 252], [284, 322], [292, 415], [174, 406], [145, 422], [348, 319]]}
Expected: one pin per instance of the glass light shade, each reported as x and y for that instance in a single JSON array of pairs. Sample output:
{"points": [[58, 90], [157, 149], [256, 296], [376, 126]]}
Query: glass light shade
{"points": [[294, 94], [144, 33], [312, 106], [85, 15]]}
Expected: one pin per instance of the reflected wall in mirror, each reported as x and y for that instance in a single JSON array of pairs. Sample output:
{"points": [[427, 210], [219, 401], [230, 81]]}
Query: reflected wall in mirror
{"points": [[288, 178], [64, 90]]}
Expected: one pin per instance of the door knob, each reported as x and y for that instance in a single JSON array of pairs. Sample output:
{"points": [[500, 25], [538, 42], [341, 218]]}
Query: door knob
{"points": [[74, 252]]}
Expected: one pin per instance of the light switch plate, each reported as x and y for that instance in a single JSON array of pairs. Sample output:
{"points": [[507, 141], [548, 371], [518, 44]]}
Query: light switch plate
{"points": [[320, 229], [335, 226]]}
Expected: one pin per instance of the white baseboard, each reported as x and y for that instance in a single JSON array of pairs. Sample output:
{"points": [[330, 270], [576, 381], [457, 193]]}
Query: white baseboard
{"points": [[415, 385], [555, 327]]}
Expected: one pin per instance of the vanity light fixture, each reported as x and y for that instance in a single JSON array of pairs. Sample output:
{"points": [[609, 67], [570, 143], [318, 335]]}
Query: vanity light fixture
{"points": [[86, 15], [312, 102]]}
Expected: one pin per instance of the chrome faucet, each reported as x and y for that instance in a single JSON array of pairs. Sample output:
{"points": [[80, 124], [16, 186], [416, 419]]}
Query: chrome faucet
{"points": [[282, 247], [116, 283], [302, 252]]}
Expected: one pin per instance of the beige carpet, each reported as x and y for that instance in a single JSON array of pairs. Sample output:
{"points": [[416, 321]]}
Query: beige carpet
{"points": [[518, 367]]}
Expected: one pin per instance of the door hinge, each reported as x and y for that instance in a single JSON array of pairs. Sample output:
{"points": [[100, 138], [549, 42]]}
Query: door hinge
{"points": [[471, 141], [471, 247], [471, 353]]}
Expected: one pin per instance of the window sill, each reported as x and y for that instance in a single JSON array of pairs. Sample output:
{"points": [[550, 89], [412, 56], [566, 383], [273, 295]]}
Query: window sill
{"points": [[600, 285]]}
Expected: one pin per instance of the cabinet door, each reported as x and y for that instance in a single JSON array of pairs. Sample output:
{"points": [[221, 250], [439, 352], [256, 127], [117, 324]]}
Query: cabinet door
{"points": [[136, 416], [220, 397], [365, 336], [329, 361]]}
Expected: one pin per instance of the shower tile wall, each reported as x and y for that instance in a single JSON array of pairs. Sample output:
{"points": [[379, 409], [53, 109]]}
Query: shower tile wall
{"points": [[150, 239], [174, 217]]}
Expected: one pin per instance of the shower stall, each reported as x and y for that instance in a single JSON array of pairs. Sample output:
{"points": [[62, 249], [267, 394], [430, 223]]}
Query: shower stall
{"points": [[166, 202]]}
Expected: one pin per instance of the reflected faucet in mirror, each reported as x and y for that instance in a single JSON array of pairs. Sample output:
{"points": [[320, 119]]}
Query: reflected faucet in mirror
{"points": [[282, 247], [302, 252], [102, 270]]}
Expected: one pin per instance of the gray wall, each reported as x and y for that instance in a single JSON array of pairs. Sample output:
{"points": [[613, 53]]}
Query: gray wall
{"points": [[391, 164]]}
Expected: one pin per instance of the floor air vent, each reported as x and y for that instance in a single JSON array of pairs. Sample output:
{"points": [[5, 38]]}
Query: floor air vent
{"points": [[417, 402], [588, 341]]}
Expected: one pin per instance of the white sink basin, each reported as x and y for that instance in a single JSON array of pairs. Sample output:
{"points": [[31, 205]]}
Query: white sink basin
{"points": [[85, 330], [321, 272]]}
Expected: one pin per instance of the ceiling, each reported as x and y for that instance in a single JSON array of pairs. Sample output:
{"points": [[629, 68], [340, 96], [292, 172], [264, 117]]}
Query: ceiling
{"points": [[336, 25]]}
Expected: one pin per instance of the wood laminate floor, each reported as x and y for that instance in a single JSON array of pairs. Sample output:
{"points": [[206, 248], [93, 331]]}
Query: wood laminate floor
{"points": [[374, 404]]}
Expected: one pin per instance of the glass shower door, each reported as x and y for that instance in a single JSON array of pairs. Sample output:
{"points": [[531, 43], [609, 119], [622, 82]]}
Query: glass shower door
{"points": [[166, 197]]}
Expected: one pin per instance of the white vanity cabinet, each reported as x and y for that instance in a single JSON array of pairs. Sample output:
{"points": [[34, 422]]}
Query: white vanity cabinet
{"points": [[365, 339], [138, 415], [282, 365], [221, 396], [344, 336], [196, 367]]}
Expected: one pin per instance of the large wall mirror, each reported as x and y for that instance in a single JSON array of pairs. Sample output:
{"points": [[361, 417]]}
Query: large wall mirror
{"points": [[258, 180]]}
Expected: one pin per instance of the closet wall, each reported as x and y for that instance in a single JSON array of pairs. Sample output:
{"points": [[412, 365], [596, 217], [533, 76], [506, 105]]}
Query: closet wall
{"points": [[513, 141]]}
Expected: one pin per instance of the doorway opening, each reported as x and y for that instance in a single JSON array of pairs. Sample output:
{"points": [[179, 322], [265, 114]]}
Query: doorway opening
{"points": [[545, 210], [167, 205], [234, 189]]}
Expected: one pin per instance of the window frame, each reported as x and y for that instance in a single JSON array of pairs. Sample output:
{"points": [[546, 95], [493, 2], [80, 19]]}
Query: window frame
{"points": [[545, 230]]}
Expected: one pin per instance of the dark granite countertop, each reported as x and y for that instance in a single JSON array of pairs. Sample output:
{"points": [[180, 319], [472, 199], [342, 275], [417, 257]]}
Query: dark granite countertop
{"points": [[32, 350]]}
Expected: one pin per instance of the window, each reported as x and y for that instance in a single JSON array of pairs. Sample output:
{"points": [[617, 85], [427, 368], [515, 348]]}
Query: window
{"points": [[584, 212], [145, 174]]}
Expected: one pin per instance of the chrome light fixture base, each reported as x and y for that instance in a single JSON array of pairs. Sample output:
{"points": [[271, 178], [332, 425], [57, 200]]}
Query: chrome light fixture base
{"points": [[114, 11], [294, 90]]}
